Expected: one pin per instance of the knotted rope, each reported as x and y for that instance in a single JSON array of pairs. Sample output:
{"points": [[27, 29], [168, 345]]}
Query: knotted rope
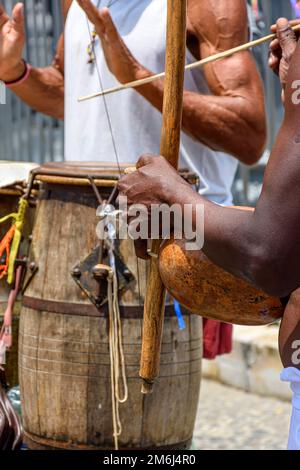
{"points": [[117, 359], [116, 351]]}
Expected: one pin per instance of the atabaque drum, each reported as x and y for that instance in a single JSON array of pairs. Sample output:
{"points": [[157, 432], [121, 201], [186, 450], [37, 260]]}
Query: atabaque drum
{"points": [[65, 373], [13, 176], [207, 290]]}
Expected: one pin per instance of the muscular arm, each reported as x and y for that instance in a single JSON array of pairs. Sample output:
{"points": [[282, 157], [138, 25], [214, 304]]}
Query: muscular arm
{"points": [[232, 119], [44, 89]]}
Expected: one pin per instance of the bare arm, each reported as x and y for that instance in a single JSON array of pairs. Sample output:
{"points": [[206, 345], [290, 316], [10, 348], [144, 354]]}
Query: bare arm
{"points": [[44, 89]]}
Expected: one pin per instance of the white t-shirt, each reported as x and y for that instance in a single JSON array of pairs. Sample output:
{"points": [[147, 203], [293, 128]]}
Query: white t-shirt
{"points": [[136, 123]]}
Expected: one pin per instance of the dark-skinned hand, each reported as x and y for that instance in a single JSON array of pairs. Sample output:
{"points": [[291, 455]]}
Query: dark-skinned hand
{"points": [[282, 49], [154, 182]]}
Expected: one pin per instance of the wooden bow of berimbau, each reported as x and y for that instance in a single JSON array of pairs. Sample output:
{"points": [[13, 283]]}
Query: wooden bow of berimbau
{"points": [[170, 145]]}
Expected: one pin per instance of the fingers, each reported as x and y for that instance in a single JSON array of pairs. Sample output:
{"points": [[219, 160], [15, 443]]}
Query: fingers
{"points": [[275, 55], [146, 160], [284, 45], [273, 28], [4, 18], [275, 46], [287, 38], [122, 185], [109, 26], [93, 14], [101, 19], [18, 18]]}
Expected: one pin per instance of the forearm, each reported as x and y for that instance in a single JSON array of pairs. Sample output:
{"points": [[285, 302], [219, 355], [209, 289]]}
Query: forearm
{"points": [[214, 120], [228, 233], [42, 91]]}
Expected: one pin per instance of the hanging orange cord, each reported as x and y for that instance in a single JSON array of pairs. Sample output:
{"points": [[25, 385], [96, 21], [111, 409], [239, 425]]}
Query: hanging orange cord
{"points": [[11, 241], [5, 245]]}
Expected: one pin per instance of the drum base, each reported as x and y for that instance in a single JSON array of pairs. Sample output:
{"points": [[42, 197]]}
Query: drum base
{"points": [[38, 443]]}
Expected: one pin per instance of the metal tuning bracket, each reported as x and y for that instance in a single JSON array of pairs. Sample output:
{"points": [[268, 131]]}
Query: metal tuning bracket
{"points": [[91, 275], [30, 271]]}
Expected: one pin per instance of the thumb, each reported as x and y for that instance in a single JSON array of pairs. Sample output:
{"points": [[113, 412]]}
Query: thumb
{"points": [[144, 160], [287, 38]]}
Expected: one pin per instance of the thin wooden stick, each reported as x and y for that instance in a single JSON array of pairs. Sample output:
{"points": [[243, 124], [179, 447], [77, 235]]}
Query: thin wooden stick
{"points": [[194, 65], [154, 305]]}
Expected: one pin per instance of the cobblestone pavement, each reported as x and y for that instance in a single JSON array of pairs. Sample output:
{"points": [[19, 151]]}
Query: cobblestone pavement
{"points": [[230, 419]]}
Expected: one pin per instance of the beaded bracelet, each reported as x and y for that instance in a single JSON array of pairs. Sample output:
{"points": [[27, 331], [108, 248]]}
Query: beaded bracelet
{"points": [[22, 79]]}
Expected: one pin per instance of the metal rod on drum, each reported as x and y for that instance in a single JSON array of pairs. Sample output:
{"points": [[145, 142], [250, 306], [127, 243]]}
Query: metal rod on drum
{"points": [[198, 64]]}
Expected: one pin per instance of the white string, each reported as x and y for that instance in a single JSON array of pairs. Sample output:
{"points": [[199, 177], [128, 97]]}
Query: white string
{"points": [[117, 359], [104, 99]]}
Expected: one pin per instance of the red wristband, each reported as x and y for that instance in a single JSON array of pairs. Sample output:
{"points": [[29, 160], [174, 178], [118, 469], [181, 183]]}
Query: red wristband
{"points": [[22, 79]]}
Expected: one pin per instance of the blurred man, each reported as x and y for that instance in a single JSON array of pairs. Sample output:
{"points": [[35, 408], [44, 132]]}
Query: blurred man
{"points": [[130, 44]]}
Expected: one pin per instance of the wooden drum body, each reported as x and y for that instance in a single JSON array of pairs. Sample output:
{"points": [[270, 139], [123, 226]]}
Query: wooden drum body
{"points": [[64, 345]]}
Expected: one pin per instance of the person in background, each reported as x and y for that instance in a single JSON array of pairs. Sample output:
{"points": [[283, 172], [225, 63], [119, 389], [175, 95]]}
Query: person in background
{"points": [[296, 7]]}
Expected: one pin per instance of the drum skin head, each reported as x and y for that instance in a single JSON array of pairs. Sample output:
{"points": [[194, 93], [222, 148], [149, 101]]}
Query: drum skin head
{"points": [[14, 173], [84, 169], [69, 172]]}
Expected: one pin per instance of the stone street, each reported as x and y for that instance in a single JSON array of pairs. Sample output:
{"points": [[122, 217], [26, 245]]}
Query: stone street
{"points": [[231, 419]]}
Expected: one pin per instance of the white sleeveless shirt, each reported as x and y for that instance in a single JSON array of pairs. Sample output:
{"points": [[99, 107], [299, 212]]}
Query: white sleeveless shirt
{"points": [[136, 124]]}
